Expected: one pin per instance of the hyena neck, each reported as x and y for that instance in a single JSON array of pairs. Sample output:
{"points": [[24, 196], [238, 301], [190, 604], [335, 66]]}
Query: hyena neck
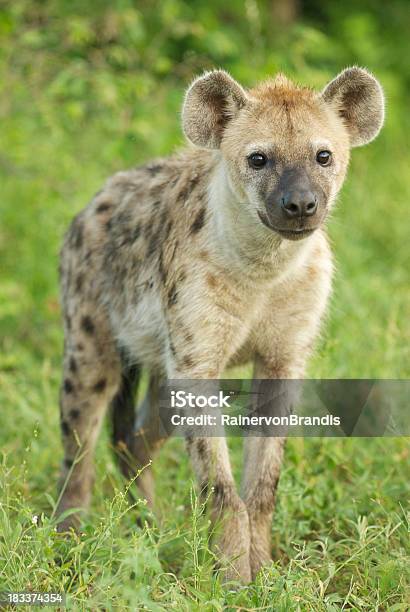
{"points": [[243, 245]]}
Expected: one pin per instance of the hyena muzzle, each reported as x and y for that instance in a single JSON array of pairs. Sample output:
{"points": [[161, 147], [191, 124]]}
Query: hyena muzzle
{"points": [[209, 258]]}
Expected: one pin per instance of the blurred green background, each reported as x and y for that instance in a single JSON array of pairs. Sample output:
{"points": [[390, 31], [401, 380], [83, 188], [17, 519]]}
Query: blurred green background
{"points": [[89, 88]]}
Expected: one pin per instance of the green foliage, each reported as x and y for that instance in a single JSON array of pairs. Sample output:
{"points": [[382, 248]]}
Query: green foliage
{"points": [[90, 88]]}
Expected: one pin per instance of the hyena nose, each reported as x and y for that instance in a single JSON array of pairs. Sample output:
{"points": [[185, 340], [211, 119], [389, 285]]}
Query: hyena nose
{"points": [[299, 204]]}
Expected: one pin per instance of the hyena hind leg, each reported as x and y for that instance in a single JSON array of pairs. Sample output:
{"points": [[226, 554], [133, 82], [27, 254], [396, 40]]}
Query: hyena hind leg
{"points": [[123, 413], [91, 375], [143, 434]]}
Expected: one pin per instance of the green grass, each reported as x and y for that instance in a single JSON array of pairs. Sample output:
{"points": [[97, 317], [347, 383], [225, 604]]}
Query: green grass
{"points": [[341, 530]]}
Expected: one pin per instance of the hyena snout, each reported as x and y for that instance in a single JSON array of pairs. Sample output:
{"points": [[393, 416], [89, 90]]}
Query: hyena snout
{"points": [[299, 204], [296, 207]]}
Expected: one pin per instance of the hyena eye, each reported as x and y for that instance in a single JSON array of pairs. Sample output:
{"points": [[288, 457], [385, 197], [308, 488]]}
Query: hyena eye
{"points": [[257, 160], [324, 158]]}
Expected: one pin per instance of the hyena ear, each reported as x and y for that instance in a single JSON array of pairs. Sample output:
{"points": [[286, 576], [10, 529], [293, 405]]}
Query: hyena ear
{"points": [[358, 98], [210, 103]]}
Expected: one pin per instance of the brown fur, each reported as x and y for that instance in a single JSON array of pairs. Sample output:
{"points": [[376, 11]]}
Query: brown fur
{"points": [[189, 265]]}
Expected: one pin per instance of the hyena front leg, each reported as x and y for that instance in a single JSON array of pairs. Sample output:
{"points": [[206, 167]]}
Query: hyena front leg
{"points": [[263, 457], [210, 460], [91, 375], [263, 460]]}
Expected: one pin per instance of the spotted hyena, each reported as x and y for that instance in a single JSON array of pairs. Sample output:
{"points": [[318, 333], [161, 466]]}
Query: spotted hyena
{"points": [[212, 257]]}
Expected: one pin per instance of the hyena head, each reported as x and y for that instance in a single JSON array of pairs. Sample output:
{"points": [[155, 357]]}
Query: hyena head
{"points": [[284, 148]]}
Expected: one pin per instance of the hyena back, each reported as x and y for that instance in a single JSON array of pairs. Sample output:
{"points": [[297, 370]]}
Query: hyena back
{"points": [[213, 257]]}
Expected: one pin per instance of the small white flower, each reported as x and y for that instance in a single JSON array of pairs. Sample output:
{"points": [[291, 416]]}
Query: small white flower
{"points": [[34, 519]]}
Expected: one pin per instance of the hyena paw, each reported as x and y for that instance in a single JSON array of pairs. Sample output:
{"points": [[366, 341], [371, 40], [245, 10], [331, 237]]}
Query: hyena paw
{"points": [[232, 546], [68, 524], [236, 569], [259, 556], [73, 520]]}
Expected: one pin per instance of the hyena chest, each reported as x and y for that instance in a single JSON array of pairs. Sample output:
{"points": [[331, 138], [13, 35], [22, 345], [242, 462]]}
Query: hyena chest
{"points": [[148, 329], [141, 330]]}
